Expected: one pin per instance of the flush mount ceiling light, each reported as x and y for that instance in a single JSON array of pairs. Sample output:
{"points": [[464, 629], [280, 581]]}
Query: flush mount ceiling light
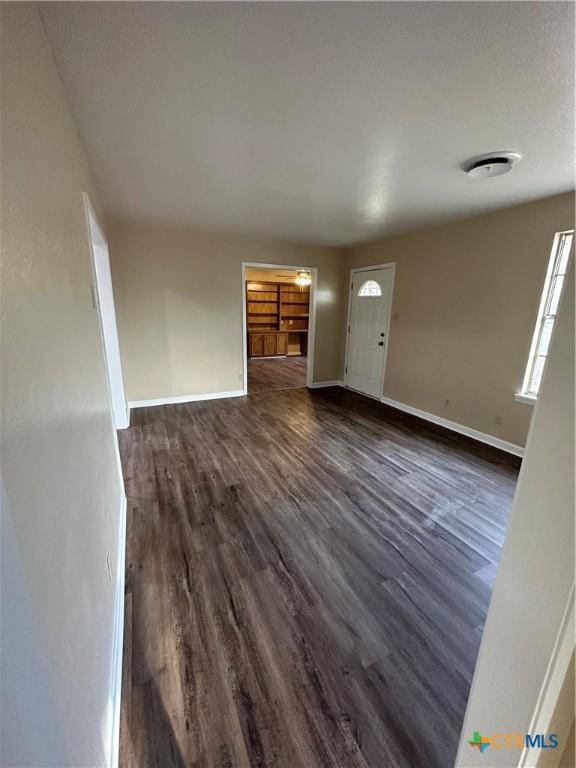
{"points": [[304, 279], [491, 164]]}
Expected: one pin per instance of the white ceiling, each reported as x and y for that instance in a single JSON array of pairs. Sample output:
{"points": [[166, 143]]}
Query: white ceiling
{"points": [[317, 122]]}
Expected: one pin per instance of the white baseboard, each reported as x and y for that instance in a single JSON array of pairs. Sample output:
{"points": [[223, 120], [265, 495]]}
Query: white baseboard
{"points": [[184, 399], [118, 640], [495, 442], [126, 423], [482, 437], [318, 384]]}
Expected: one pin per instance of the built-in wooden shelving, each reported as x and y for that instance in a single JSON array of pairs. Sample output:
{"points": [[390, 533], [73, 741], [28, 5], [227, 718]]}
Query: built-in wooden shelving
{"points": [[277, 316]]}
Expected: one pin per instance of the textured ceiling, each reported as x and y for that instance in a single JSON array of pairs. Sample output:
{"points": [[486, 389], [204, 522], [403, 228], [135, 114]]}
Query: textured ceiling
{"points": [[317, 122]]}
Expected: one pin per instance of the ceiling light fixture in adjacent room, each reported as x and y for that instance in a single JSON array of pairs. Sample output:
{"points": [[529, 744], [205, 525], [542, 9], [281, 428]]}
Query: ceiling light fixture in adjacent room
{"points": [[304, 279], [491, 164]]}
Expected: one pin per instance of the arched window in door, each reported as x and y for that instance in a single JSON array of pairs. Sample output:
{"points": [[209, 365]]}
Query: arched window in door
{"points": [[370, 288]]}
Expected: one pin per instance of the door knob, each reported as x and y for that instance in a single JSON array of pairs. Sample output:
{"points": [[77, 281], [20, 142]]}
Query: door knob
{"points": [[380, 343]]}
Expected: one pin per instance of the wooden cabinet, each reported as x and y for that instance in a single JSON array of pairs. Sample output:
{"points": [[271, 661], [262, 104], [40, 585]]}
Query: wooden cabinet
{"points": [[267, 344], [281, 343], [277, 316], [256, 345]]}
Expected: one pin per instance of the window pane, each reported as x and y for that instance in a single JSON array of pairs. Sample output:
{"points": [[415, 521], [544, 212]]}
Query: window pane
{"points": [[370, 288], [537, 375], [555, 294], [548, 309], [564, 254], [545, 336]]}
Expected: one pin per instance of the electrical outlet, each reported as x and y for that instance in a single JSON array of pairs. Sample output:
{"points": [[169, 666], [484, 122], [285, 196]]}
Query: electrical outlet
{"points": [[446, 402], [499, 420]]}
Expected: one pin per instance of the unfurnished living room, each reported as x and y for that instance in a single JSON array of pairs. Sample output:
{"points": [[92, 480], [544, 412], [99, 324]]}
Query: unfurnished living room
{"points": [[287, 384]]}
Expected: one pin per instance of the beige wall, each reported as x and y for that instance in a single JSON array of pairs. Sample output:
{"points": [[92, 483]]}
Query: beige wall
{"points": [[62, 494], [537, 567], [179, 303], [466, 297]]}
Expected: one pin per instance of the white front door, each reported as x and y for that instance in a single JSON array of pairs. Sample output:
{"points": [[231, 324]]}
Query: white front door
{"points": [[370, 302]]}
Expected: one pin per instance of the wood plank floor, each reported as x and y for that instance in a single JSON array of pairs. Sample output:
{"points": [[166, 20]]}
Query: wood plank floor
{"points": [[308, 575], [273, 373]]}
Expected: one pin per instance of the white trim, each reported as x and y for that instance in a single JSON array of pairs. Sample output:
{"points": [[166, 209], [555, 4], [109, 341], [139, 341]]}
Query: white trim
{"points": [[520, 397], [244, 331], [311, 348], [373, 266], [108, 326], [554, 680], [319, 384], [552, 261], [88, 213], [482, 437], [118, 640], [357, 270], [311, 318], [184, 399]]}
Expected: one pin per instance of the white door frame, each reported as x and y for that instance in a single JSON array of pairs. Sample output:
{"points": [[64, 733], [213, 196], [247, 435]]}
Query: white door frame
{"points": [[357, 271], [548, 716], [311, 319], [113, 365]]}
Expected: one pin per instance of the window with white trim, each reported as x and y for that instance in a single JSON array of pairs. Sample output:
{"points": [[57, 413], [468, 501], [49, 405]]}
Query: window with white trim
{"points": [[551, 294]]}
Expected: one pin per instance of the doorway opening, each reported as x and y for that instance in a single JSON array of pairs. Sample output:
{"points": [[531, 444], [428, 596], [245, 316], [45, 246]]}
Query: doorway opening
{"points": [[278, 326], [103, 300]]}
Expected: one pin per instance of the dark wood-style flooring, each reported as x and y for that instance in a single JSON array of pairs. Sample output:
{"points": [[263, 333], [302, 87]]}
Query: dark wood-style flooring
{"points": [[273, 373], [308, 575]]}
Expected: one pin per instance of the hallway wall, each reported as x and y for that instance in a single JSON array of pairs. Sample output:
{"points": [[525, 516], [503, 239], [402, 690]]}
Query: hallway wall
{"points": [[62, 492]]}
